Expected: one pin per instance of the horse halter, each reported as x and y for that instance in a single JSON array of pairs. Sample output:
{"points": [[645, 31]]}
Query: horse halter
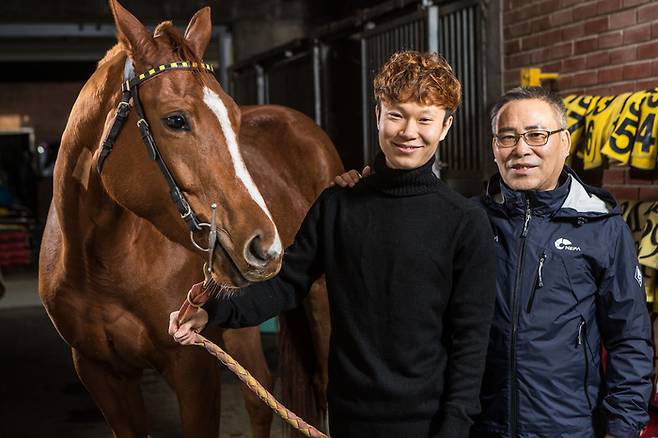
{"points": [[130, 89]]}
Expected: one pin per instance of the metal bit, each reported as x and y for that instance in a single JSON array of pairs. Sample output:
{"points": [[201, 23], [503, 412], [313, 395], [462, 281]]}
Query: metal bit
{"points": [[212, 237]]}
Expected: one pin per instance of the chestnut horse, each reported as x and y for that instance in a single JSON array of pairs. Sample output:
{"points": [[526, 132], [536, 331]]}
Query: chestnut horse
{"points": [[117, 258]]}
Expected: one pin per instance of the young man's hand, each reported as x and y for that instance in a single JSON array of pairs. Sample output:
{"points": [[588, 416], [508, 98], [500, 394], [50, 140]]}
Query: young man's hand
{"points": [[351, 177], [185, 333]]}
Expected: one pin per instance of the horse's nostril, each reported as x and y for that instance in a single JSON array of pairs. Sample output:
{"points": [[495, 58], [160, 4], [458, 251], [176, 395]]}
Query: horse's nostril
{"points": [[256, 252]]}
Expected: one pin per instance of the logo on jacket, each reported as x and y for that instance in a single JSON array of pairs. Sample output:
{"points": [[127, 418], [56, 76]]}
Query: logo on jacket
{"points": [[563, 243], [638, 275]]}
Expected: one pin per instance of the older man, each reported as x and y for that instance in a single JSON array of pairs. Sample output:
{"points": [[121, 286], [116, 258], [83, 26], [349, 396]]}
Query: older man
{"points": [[568, 282]]}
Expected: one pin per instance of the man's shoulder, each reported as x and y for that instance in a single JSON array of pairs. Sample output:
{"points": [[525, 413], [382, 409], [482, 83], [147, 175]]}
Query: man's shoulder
{"points": [[455, 200]]}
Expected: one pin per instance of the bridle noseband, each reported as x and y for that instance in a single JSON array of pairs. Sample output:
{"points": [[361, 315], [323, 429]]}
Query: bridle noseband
{"points": [[130, 89]]}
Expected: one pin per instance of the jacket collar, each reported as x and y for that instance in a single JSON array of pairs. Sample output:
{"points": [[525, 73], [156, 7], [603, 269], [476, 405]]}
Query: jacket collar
{"points": [[571, 199]]}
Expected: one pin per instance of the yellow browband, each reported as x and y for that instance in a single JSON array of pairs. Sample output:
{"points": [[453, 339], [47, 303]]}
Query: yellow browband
{"points": [[170, 66]]}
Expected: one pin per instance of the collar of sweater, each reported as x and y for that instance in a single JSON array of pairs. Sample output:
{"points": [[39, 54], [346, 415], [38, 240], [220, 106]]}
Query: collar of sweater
{"points": [[402, 182]]}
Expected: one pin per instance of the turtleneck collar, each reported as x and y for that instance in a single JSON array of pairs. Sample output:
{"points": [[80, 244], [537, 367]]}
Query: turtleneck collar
{"points": [[402, 182]]}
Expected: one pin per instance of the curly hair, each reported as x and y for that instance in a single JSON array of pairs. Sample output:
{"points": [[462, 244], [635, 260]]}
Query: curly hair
{"points": [[424, 78]]}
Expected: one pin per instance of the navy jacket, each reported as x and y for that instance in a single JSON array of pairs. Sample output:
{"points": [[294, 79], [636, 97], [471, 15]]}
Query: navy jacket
{"points": [[567, 280]]}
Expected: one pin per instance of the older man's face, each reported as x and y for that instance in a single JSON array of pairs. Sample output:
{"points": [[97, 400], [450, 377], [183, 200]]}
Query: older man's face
{"points": [[525, 167]]}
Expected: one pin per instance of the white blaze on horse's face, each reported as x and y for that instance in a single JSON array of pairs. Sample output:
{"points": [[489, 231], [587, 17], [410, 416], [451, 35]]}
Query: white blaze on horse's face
{"points": [[213, 101]]}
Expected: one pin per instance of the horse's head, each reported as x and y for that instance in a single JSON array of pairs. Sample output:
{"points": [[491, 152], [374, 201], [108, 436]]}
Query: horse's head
{"points": [[195, 126]]}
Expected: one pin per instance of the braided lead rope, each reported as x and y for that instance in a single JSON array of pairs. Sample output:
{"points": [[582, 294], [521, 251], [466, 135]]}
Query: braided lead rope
{"points": [[196, 297], [287, 415]]}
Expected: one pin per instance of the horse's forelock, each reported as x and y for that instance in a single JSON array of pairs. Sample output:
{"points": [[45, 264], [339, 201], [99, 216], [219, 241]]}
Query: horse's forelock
{"points": [[166, 32]]}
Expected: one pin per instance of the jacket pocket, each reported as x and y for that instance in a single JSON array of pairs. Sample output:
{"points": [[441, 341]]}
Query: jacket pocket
{"points": [[539, 281], [583, 344]]}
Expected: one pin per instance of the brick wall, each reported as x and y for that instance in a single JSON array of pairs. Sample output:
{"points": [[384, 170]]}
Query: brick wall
{"points": [[47, 104], [599, 47]]}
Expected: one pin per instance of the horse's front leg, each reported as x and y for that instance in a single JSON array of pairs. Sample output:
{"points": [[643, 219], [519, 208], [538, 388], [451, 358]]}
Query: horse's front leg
{"points": [[194, 376], [246, 347], [119, 397]]}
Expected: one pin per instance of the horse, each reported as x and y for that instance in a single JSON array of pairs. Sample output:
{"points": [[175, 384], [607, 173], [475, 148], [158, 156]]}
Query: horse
{"points": [[118, 255]]}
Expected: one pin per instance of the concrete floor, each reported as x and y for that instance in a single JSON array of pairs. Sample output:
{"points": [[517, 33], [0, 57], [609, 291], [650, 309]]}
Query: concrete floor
{"points": [[42, 396]]}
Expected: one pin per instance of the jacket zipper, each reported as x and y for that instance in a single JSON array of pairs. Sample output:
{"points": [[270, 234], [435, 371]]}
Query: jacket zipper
{"points": [[515, 321], [582, 336], [539, 282]]}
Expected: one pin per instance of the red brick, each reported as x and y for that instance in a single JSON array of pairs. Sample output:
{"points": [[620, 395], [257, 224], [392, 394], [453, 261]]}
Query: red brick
{"points": [[622, 88], [647, 50], [647, 13], [586, 10], [552, 67], [530, 42], [585, 45], [614, 175], [540, 24], [632, 179], [628, 3], [607, 6], [611, 39], [558, 51], [598, 59], [611, 74], [584, 79], [637, 34], [565, 81], [655, 67], [622, 55], [597, 25], [561, 17], [599, 91], [512, 47], [546, 7], [654, 30], [573, 64], [647, 84], [623, 192], [623, 19], [638, 70], [518, 60], [574, 31], [517, 29], [512, 75], [648, 194]]}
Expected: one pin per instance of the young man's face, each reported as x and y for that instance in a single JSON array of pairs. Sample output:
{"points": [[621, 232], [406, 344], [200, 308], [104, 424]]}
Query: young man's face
{"points": [[409, 133], [525, 167]]}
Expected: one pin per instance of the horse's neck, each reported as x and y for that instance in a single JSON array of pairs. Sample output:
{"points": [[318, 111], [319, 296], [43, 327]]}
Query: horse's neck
{"points": [[83, 207]]}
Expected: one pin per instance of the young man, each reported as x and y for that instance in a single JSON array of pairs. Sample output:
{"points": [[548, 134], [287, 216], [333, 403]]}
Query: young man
{"points": [[410, 270], [568, 281]]}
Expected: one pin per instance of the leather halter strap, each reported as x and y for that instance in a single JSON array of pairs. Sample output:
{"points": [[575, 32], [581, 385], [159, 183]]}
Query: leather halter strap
{"points": [[130, 89]]}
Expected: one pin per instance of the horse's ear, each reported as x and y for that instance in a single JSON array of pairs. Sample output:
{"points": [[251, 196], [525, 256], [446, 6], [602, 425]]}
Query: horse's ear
{"points": [[198, 32], [132, 33]]}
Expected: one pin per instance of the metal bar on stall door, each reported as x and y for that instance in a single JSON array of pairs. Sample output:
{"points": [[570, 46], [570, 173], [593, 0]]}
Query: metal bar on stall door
{"points": [[261, 98], [433, 29], [317, 88], [364, 101]]}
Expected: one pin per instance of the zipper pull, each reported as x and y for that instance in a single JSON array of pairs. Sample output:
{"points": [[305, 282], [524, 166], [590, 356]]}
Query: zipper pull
{"points": [[527, 217], [580, 332], [540, 283]]}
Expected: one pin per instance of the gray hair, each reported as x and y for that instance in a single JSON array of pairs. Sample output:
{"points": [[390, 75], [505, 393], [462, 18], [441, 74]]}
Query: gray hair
{"points": [[524, 93]]}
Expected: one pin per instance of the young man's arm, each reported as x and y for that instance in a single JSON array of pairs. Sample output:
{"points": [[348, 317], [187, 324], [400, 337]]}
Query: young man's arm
{"points": [[468, 318], [302, 265], [626, 332]]}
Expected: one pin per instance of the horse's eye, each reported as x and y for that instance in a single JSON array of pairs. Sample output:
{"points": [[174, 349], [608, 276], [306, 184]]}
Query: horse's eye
{"points": [[177, 122]]}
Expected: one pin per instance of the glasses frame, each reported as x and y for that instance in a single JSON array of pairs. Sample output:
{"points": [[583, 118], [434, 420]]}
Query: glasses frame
{"points": [[517, 137]]}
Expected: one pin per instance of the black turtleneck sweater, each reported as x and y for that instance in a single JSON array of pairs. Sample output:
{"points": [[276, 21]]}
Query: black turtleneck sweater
{"points": [[410, 270]]}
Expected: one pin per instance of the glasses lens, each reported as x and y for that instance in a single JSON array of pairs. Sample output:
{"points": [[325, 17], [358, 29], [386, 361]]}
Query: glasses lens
{"points": [[507, 140], [536, 138]]}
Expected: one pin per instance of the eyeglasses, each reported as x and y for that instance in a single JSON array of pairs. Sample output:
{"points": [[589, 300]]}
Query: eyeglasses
{"points": [[535, 137]]}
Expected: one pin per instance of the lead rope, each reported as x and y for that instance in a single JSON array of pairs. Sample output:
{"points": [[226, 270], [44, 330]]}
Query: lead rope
{"points": [[196, 297]]}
